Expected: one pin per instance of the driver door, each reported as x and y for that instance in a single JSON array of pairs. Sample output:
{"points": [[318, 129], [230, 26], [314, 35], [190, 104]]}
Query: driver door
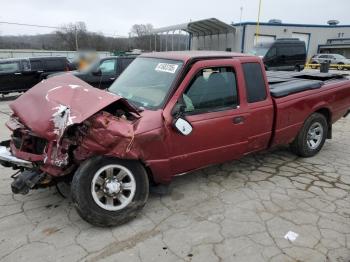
{"points": [[213, 109]]}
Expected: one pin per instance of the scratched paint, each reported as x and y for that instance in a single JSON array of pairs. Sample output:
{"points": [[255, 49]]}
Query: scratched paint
{"points": [[61, 119]]}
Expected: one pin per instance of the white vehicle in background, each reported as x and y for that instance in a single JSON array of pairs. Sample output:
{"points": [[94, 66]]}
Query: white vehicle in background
{"points": [[334, 59]]}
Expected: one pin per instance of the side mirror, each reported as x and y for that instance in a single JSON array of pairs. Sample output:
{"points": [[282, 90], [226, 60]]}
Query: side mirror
{"points": [[97, 72], [182, 126]]}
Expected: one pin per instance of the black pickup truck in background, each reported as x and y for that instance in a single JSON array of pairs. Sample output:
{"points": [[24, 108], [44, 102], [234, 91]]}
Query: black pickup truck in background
{"points": [[20, 74], [102, 73]]}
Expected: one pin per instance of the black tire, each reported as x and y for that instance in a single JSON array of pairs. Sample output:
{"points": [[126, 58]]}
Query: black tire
{"points": [[300, 144], [85, 204], [340, 66], [297, 68]]}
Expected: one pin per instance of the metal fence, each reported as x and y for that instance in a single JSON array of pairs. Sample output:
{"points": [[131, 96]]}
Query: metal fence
{"points": [[22, 53]]}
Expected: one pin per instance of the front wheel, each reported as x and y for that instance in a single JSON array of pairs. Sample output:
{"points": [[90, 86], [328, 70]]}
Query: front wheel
{"points": [[108, 191], [311, 137]]}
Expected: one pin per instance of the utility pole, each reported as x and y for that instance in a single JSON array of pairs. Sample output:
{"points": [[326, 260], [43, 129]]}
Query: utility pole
{"points": [[240, 17], [76, 37], [257, 24]]}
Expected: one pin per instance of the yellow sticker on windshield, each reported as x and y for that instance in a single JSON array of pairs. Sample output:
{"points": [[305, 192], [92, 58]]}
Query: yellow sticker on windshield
{"points": [[164, 67]]}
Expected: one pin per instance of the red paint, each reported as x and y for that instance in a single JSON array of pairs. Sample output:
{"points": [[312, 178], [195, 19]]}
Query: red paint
{"points": [[151, 137], [36, 107]]}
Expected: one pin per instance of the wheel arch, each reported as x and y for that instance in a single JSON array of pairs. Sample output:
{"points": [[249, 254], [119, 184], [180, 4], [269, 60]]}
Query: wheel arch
{"points": [[326, 112]]}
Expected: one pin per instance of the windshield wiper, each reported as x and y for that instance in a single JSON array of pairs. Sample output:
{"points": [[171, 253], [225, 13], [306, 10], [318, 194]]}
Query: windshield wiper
{"points": [[139, 107]]}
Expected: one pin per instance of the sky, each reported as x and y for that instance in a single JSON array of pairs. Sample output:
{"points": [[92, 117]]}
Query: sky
{"points": [[115, 18]]}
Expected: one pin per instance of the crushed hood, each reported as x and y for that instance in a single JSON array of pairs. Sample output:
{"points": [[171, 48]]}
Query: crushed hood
{"points": [[51, 106]]}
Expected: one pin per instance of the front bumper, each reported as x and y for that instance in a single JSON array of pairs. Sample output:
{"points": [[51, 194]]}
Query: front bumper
{"points": [[7, 159]]}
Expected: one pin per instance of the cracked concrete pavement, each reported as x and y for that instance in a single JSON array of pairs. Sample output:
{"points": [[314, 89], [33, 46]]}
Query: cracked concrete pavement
{"points": [[237, 211]]}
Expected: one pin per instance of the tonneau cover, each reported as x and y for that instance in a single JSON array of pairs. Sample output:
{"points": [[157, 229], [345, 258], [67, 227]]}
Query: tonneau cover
{"points": [[294, 86], [286, 83]]}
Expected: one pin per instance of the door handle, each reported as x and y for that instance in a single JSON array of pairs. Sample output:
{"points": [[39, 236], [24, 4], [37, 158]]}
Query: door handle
{"points": [[112, 78], [238, 120], [18, 74]]}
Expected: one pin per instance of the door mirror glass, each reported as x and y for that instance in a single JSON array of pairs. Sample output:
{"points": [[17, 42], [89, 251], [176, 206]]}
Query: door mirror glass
{"points": [[183, 126], [97, 72]]}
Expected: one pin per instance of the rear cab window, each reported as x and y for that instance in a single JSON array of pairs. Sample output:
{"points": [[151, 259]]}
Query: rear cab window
{"points": [[254, 82], [212, 89]]}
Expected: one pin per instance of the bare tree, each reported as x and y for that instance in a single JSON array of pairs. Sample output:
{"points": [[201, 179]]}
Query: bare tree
{"points": [[71, 33], [75, 36], [141, 29]]}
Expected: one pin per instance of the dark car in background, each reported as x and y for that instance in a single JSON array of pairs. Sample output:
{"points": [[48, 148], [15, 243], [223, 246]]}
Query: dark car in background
{"points": [[102, 73], [18, 75], [284, 54]]}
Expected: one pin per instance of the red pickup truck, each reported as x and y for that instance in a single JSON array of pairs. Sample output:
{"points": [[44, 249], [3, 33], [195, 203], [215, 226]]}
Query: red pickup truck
{"points": [[167, 114]]}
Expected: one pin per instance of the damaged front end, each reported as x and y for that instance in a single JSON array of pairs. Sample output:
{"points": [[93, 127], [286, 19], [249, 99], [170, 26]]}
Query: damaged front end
{"points": [[58, 124]]}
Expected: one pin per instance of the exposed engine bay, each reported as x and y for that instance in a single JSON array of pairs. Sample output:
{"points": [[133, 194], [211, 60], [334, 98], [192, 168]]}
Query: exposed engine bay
{"points": [[44, 158]]}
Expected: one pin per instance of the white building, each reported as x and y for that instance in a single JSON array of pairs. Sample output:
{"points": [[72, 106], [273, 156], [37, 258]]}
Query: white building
{"points": [[213, 34]]}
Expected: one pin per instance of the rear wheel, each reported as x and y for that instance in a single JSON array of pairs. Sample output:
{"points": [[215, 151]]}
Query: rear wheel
{"points": [[108, 191], [311, 137]]}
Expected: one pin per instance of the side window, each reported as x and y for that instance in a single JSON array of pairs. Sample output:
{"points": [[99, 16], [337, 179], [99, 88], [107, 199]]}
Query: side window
{"points": [[107, 66], [300, 50], [212, 89], [284, 51], [25, 65], [9, 67], [50, 65], [36, 65], [254, 81]]}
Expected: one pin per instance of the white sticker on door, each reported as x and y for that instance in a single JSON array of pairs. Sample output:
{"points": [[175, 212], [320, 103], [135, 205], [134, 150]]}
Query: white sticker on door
{"points": [[164, 67]]}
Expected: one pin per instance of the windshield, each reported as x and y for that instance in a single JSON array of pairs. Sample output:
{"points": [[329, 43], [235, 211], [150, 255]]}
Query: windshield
{"points": [[259, 51], [146, 81]]}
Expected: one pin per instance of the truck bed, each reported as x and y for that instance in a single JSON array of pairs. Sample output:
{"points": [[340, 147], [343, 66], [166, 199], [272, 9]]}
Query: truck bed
{"points": [[286, 83]]}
